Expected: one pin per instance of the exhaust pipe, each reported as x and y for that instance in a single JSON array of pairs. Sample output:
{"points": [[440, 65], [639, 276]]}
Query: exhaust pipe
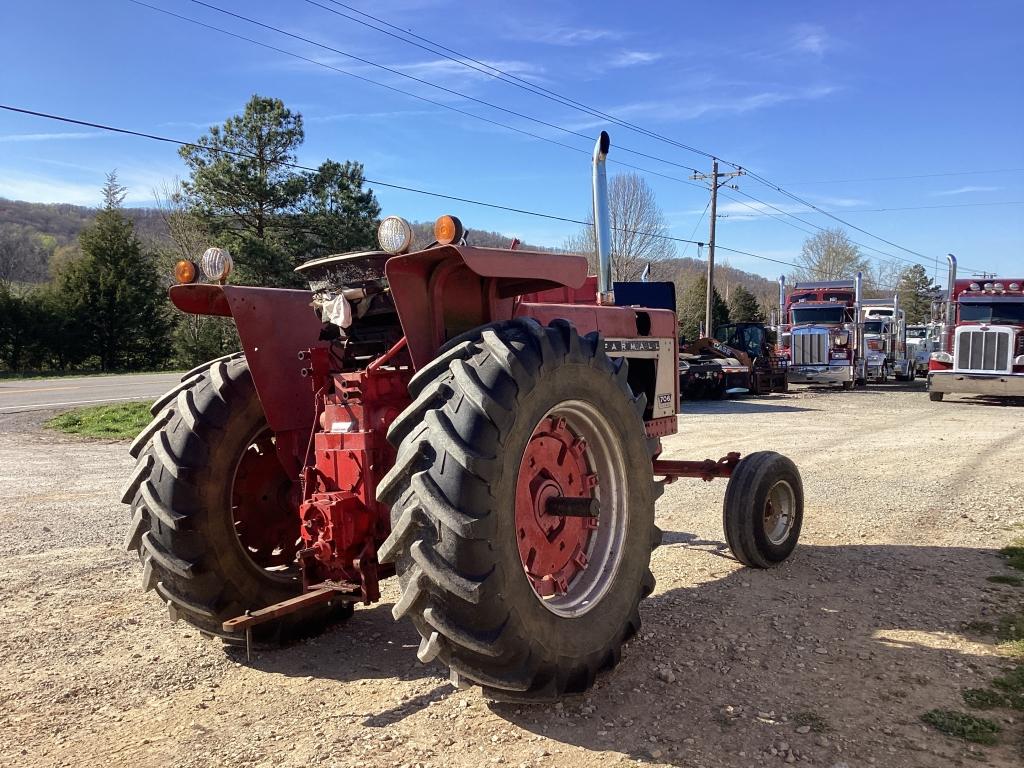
{"points": [[950, 321], [602, 222], [858, 324], [782, 298]]}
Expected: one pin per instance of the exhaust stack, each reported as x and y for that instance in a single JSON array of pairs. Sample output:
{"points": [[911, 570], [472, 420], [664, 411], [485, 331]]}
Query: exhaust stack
{"points": [[950, 319], [602, 222], [857, 322], [782, 299]]}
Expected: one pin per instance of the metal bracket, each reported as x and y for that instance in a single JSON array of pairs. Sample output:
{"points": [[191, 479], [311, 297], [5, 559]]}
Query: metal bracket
{"points": [[327, 592]]}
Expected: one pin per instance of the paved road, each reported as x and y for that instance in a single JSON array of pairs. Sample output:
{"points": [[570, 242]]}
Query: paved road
{"points": [[17, 396]]}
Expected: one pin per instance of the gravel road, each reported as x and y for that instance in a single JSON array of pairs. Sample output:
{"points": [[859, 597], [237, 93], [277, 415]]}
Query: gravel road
{"points": [[828, 660]]}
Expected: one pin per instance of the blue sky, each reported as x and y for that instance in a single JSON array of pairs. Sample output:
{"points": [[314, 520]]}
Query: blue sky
{"points": [[808, 95]]}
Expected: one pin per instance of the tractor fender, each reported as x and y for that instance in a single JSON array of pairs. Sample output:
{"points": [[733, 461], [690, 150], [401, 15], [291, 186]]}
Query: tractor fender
{"points": [[274, 325], [446, 290]]}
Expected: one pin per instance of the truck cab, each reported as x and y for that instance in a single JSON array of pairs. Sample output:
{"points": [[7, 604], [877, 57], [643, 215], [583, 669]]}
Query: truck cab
{"points": [[826, 333], [922, 340], [885, 331], [982, 348]]}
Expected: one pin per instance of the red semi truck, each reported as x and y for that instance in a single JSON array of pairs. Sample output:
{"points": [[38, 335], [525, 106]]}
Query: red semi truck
{"points": [[982, 346]]}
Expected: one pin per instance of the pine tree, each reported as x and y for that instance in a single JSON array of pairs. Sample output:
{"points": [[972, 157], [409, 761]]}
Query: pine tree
{"points": [[113, 293], [692, 306], [743, 306], [915, 290]]}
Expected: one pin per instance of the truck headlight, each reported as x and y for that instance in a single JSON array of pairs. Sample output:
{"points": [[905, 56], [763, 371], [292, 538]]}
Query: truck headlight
{"points": [[942, 357], [217, 264]]}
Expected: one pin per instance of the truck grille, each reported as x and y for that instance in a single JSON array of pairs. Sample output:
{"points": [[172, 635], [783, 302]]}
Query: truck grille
{"points": [[983, 350], [810, 347]]}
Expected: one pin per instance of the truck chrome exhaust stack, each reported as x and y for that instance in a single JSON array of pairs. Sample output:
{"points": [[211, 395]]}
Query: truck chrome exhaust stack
{"points": [[782, 298], [858, 297], [602, 222], [950, 320]]}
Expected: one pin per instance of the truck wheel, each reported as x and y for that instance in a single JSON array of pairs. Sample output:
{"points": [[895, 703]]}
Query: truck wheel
{"points": [[763, 509], [213, 518], [528, 602], [935, 397]]}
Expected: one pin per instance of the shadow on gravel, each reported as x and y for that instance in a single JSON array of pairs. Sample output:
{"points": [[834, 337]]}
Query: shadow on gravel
{"points": [[737, 406], [983, 401], [838, 635]]}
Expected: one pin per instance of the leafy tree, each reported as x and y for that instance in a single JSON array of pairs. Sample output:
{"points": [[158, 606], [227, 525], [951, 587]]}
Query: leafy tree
{"points": [[692, 305], [23, 254], [638, 225], [113, 292], [829, 255], [915, 290], [744, 307]]}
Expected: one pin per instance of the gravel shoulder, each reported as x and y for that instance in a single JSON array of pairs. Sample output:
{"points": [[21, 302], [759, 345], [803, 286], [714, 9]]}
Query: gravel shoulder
{"points": [[828, 660]]}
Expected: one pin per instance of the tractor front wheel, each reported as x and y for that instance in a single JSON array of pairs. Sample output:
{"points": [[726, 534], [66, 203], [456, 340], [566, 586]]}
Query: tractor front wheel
{"points": [[522, 510], [213, 511], [764, 509]]}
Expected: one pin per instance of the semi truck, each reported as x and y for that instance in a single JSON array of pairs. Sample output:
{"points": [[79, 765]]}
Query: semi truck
{"points": [[826, 332], [885, 334], [922, 340], [981, 351]]}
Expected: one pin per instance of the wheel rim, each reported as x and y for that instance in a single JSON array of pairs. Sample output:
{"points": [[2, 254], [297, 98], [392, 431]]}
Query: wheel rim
{"points": [[571, 561], [260, 509], [779, 512]]}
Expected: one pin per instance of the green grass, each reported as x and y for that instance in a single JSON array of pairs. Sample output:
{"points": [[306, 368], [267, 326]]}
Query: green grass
{"points": [[1014, 554], [963, 726], [1007, 578], [119, 421]]}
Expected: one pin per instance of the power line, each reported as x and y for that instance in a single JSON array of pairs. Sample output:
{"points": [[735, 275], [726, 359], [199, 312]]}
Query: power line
{"points": [[552, 95], [695, 226], [504, 76], [398, 90], [900, 208], [913, 176], [377, 182], [423, 81]]}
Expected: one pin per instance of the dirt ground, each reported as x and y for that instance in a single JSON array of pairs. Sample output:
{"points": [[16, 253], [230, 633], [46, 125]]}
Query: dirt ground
{"points": [[829, 660]]}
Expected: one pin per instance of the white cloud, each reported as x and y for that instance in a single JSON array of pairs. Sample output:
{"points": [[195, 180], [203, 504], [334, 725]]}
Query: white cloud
{"points": [[557, 34], [27, 137], [809, 38], [625, 59], [680, 109], [963, 191], [37, 188]]}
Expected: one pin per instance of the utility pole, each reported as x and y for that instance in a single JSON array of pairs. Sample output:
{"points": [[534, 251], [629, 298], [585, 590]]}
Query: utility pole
{"points": [[716, 180]]}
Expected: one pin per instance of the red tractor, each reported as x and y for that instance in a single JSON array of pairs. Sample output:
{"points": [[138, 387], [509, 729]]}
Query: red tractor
{"points": [[482, 423]]}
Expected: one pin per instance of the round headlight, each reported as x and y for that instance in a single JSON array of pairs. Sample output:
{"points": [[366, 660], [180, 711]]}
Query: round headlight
{"points": [[217, 264], [1014, 286], [975, 287], [394, 235], [988, 286], [998, 286]]}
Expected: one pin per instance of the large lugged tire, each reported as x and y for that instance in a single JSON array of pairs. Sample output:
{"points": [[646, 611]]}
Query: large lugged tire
{"points": [[211, 519], [498, 590], [763, 509]]}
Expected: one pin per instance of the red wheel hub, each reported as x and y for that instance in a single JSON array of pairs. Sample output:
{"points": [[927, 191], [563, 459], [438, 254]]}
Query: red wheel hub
{"points": [[261, 507], [553, 548]]}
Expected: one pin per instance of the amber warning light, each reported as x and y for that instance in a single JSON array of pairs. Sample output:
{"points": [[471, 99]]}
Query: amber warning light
{"points": [[185, 271], [448, 230]]}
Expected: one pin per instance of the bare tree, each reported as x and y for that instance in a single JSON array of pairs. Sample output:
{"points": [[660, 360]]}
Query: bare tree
{"points": [[22, 258], [187, 231], [829, 255], [638, 229]]}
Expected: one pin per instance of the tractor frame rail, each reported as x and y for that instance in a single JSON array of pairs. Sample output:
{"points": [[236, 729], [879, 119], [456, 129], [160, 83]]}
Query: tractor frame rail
{"points": [[707, 470]]}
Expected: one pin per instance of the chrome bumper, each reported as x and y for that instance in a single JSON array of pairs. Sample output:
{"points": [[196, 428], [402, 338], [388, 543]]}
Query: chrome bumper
{"points": [[820, 374], [999, 384]]}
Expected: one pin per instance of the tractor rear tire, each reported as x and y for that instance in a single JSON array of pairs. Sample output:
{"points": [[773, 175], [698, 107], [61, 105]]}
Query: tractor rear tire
{"points": [[206, 465], [764, 509], [497, 421]]}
